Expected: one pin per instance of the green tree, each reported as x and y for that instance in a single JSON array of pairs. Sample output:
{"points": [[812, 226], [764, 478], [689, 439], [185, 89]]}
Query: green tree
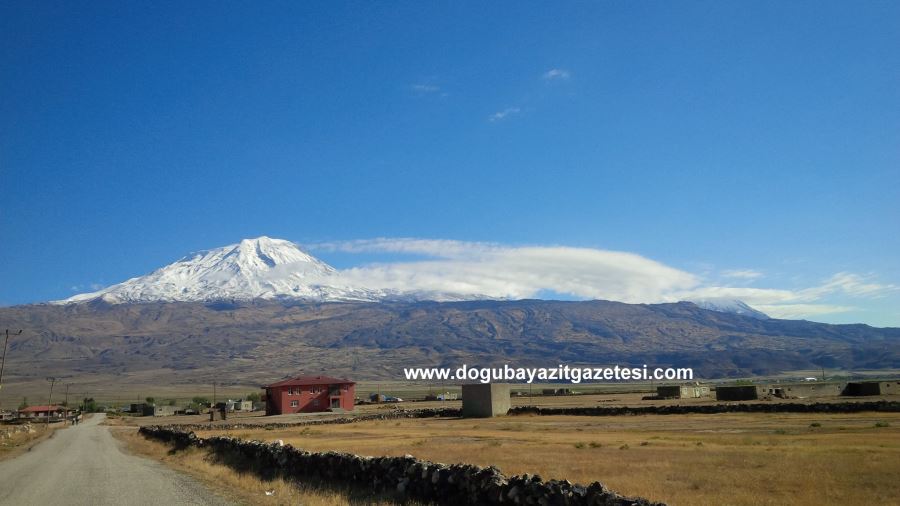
{"points": [[89, 405], [253, 397], [200, 401], [150, 400], [24, 403]]}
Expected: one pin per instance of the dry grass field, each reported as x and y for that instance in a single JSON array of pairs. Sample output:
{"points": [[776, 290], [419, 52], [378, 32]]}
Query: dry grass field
{"points": [[244, 488], [13, 443], [735, 459]]}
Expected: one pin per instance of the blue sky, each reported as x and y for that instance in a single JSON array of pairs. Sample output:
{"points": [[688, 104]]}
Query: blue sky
{"points": [[714, 138]]}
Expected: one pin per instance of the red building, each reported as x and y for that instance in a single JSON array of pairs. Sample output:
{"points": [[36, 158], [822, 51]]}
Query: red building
{"points": [[309, 394], [56, 413]]}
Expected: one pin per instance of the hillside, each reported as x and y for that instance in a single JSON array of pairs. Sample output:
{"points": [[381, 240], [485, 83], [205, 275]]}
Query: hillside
{"points": [[255, 342]]}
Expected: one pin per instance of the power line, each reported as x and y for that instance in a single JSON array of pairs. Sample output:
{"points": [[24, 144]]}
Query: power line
{"points": [[3, 360], [52, 381]]}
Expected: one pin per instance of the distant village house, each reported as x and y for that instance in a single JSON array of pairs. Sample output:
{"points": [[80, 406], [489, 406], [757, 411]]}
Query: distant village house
{"points": [[56, 413], [309, 394]]}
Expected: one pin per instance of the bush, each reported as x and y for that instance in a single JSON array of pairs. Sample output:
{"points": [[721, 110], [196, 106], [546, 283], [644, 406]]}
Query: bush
{"points": [[882, 424], [89, 405], [815, 424]]}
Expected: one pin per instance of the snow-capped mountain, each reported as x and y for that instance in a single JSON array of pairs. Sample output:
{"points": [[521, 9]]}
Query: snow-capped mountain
{"points": [[261, 268], [730, 306], [275, 269]]}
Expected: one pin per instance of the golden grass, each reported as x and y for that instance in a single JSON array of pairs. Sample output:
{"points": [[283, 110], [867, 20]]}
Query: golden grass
{"points": [[244, 487], [22, 441], [735, 459]]}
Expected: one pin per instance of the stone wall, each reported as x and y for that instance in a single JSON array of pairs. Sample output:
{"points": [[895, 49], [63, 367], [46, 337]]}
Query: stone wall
{"points": [[407, 477], [779, 407], [388, 415]]}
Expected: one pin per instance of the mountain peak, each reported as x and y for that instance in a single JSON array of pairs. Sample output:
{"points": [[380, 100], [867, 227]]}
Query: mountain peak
{"points": [[734, 306], [265, 252], [259, 268]]}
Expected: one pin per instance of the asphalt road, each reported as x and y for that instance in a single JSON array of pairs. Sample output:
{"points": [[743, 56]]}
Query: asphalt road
{"points": [[84, 465]]}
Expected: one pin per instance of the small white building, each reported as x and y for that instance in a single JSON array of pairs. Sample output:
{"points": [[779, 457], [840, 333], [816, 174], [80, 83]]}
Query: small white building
{"points": [[238, 405]]}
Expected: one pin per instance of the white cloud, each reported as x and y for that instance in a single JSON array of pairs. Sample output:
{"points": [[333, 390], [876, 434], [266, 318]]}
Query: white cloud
{"points": [[425, 88], [556, 74], [855, 285], [523, 272], [746, 274], [801, 311], [500, 115], [90, 286], [438, 248], [459, 269]]}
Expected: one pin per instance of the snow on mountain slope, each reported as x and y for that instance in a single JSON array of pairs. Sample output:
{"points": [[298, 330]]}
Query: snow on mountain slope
{"points": [[275, 269], [261, 268], [730, 306]]}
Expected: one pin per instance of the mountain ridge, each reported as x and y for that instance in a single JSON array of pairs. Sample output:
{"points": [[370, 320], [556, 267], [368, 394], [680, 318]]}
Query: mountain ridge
{"points": [[187, 342]]}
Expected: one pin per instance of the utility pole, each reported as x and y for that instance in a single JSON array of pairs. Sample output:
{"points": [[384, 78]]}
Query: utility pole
{"points": [[214, 395], [66, 404], [52, 381], [3, 360]]}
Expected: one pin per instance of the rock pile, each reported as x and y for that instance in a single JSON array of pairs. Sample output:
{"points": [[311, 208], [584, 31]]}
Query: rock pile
{"points": [[9, 432], [407, 477]]}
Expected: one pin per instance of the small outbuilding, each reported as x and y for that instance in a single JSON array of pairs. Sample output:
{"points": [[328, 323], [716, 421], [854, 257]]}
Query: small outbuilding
{"points": [[157, 410], [740, 392], [858, 388], [682, 391], [485, 400], [805, 390]]}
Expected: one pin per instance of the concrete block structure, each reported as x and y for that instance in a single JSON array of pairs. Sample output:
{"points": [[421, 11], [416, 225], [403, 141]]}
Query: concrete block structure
{"points": [[682, 391], [872, 388], [157, 410], [740, 393], [806, 390], [485, 400]]}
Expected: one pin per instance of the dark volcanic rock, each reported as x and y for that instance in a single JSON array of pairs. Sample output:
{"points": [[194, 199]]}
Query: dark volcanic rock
{"points": [[191, 342]]}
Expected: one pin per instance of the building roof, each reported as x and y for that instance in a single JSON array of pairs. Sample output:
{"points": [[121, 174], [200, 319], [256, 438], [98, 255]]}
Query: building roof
{"points": [[310, 380], [35, 409]]}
